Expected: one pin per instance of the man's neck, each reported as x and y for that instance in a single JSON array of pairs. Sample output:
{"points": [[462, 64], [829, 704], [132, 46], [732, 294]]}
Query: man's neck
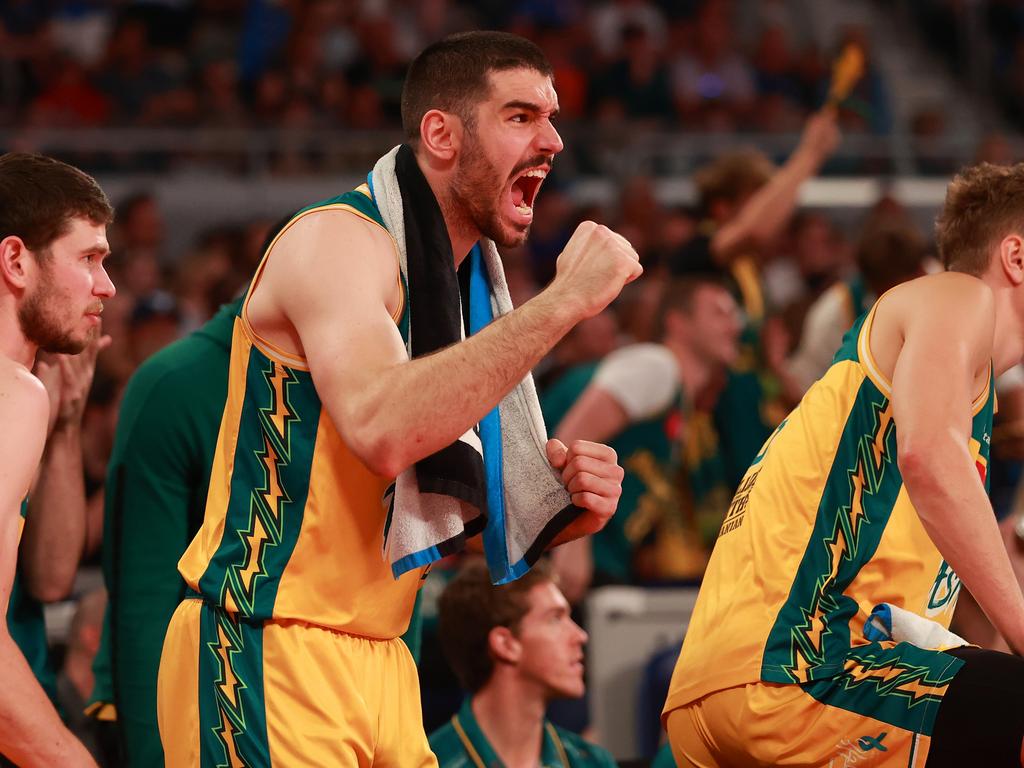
{"points": [[461, 231], [18, 349], [511, 716], [694, 372], [1008, 340]]}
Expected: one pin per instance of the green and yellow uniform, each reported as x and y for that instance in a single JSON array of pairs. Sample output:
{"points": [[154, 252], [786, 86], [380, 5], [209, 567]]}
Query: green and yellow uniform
{"points": [[296, 613], [819, 532], [157, 481], [461, 744]]}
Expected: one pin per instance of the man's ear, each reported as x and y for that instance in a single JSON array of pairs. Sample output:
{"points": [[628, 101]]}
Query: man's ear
{"points": [[441, 135], [15, 261], [1011, 256], [504, 646]]}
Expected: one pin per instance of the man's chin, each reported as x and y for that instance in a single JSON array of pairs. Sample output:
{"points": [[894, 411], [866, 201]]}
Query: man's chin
{"points": [[568, 691], [70, 345], [509, 235]]}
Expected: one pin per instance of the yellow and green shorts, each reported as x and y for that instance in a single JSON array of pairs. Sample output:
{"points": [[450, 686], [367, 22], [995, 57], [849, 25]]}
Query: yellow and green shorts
{"points": [[898, 706], [285, 693]]}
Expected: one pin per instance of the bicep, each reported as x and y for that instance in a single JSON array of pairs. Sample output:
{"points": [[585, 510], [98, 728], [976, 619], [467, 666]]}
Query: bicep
{"points": [[935, 374], [337, 299], [24, 437]]}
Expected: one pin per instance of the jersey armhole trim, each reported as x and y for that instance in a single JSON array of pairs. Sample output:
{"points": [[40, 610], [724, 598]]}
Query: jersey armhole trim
{"points": [[874, 373], [267, 347]]}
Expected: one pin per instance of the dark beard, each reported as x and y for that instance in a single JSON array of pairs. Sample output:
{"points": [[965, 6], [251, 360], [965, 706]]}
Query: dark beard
{"points": [[476, 189], [40, 326]]}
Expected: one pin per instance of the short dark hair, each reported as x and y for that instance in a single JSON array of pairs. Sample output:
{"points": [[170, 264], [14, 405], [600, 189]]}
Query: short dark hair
{"points": [[890, 253], [679, 294], [452, 74], [470, 607], [39, 196], [984, 204]]}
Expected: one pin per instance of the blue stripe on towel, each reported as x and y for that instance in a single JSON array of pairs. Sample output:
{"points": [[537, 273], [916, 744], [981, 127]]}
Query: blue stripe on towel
{"points": [[495, 543], [416, 560]]}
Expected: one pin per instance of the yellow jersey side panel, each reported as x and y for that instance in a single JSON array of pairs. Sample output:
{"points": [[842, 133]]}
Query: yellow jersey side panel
{"points": [[763, 540], [337, 571]]}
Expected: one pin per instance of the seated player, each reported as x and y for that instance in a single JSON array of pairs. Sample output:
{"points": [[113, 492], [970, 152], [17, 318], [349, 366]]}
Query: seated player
{"points": [[874, 490], [514, 648]]}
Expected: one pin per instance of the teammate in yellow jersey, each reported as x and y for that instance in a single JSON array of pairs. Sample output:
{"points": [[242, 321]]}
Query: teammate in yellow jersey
{"points": [[53, 222], [291, 656], [873, 491]]}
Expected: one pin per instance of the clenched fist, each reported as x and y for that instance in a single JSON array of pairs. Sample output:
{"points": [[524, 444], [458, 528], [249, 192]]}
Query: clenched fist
{"points": [[592, 476], [593, 268]]}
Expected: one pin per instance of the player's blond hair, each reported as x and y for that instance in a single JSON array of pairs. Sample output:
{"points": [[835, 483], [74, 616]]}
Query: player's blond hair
{"points": [[984, 203]]}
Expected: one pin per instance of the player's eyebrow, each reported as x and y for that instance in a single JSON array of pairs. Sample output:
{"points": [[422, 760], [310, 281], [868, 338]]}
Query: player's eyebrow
{"points": [[527, 106]]}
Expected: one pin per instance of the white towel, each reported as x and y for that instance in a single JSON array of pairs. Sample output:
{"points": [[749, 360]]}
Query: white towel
{"points": [[520, 519], [890, 622]]}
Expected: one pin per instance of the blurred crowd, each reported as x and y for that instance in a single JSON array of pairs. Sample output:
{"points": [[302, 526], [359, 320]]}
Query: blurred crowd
{"points": [[705, 65]]}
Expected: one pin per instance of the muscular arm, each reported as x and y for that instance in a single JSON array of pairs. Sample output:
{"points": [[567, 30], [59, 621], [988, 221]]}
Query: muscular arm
{"points": [[31, 732], [392, 411], [952, 333]]}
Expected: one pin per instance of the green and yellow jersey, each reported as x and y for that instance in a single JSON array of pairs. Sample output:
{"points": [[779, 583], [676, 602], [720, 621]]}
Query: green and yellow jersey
{"points": [[294, 523], [820, 530], [460, 743]]}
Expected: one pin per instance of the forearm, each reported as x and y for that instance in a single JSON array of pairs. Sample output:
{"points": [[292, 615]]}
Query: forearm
{"points": [[765, 214], [55, 526], [574, 564], [410, 410], [31, 733], [957, 515], [768, 209]]}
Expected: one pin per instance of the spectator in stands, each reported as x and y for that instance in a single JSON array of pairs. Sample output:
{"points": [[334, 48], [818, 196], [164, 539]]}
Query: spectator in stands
{"points": [[610, 19], [713, 85], [155, 323], [651, 402], [867, 108], [579, 351], [514, 648], [638, 80], [887, 255], [139, 226], [131, 75], [815, 257], [746, 204]]}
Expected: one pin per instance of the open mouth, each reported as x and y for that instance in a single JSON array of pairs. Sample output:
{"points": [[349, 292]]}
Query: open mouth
{"points": [[524, 189]]}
